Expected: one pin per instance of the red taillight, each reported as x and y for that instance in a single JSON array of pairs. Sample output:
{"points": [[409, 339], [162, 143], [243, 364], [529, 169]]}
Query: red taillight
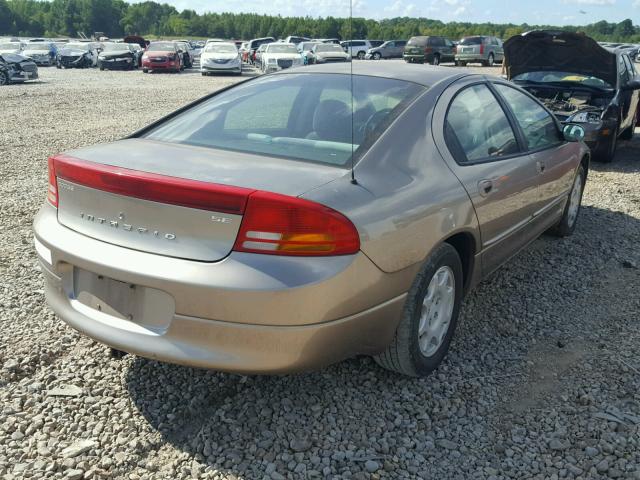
{"points": [[150, 186], [482, 49], [281, 225], [52, 190]]}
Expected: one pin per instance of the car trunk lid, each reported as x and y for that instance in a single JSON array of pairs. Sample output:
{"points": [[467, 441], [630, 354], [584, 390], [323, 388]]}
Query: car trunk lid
{"points": [[168, 199]]}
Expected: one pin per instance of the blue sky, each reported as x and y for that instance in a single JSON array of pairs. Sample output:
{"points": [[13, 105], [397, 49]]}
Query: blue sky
{"points": [[556, 12]]}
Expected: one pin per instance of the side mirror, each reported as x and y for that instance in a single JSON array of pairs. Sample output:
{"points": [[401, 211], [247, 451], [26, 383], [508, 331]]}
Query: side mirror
{"points": [[573, 133], [633, 84]]}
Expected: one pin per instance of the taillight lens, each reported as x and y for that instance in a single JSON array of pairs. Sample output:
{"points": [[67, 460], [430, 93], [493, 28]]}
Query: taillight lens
{"points": [[481, 49], [282, 225], [52, 190]]}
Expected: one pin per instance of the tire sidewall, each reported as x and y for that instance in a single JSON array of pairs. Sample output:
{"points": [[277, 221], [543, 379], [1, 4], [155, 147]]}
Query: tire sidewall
{"points": [[563, 228], [4, 79], [443, 255]]}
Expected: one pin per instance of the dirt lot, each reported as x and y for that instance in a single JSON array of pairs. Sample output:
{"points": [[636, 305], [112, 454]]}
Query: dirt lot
{"points": [[543, 380]]}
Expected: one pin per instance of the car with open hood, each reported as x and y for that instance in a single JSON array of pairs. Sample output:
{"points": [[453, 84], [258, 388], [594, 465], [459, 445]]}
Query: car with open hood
{"points": [[280, 56], [42, 53], [220, 57], [16, 69], [118, 56], [162, 56], [306, 216], [580, 82], [77, 55]]}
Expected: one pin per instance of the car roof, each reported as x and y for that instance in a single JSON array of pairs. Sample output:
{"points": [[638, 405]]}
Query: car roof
{"points": [[415, 73]]}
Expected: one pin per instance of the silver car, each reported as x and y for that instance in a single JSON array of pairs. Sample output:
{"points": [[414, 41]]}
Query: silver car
{"points": [[479, 49], [279, 225]]}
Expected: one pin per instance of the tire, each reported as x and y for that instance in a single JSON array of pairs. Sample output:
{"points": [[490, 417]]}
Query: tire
{"points": [[101, 68], [405, 354], [4, 78], [145, 70], [569, 220], [491, 60], [607, 153], [628, 133], [361, 55], [436, 60], [376, 56]]}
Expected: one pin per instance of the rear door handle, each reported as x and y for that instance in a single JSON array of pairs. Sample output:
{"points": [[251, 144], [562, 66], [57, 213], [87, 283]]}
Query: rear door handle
{"points": [[485, 187], [541, 167]]}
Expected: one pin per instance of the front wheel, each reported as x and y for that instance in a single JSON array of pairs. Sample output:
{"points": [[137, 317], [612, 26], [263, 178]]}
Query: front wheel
{"points": [[607, 152], [569, 220], [361, 55], [4, 78], [377, 56], [429, 318]]}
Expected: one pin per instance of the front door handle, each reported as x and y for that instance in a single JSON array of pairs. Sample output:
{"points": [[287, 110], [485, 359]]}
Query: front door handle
{"points": [[541, 167], [485, 187]]}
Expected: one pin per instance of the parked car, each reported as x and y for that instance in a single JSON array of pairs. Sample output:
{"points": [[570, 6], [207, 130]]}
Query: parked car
{"points": [[390, 49], [162, 56], [328, 53], [11, 47], [77, 55], [295, 39], [186, 52], [118, 56], [255, 44], [279, 56], [433, 50], [479, 49], [138, 52], [257, 55], [221, 57], [326, 40], [16, 69], [42, 53], [356, 48], [304, 48], [580, 82], [262, 250]]}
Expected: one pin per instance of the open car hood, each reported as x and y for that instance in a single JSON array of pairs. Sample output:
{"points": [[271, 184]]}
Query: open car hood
{"points": [[539, 51]]}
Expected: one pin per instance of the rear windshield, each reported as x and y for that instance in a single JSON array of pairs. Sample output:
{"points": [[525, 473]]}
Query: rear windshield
{"points": [[420, 41], [300, 116], [471, 41]]}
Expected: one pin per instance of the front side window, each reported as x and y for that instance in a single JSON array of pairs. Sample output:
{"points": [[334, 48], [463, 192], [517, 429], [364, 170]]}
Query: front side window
{"points": [[477, 128], [300, 116], [539, 127]]}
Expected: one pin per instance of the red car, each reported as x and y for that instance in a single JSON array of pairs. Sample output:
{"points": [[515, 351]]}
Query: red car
{"points": [[162, 56]]}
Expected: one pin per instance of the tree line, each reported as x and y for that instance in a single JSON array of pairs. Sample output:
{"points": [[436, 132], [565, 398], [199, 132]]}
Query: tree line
{"points": [[116, 18]]}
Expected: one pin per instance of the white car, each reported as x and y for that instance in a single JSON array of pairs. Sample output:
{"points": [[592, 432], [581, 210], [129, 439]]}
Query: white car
{"points": [[278, 56], [220, 57], [357, 48], [12, 47]]}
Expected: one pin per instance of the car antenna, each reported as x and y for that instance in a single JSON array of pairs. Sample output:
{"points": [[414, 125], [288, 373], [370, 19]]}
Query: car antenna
{"points": [[353, 174]]}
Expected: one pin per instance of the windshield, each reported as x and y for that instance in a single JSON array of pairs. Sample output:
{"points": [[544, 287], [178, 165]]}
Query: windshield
{"points": [[116, 47], [304, 46], [275, 48], [471, 41], [39, 46], [329, 48], [161, 47], [9, 46], [221, 48], [563, 77], [301, 116], [78, 46]]}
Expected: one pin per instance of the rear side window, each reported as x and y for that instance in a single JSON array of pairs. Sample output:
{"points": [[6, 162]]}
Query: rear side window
{"points": [[300, 116], [477, 128], [417, 41], [539, 127]]}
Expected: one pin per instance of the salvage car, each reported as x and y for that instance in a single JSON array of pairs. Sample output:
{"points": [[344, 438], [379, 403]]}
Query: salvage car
{"points": [[42, 53], [279, 56], [300, 218], [16, 69], [162, 56], [327, 53], [77, 55], [580, 82], [221, 57], [118, 56]]}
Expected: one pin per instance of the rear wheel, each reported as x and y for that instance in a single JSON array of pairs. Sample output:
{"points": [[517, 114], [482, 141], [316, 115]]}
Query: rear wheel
{"points": [[377, 56], [491, 60], [429, 318], [567, 223], [436, 60], [4, 78]]}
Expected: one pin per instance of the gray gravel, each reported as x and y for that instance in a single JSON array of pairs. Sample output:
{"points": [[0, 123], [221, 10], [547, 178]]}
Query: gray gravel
{"points": [[543, 379]]}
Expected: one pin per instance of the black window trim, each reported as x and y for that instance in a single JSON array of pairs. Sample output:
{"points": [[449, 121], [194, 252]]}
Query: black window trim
{"points": [[515, 128], [526, 149]]}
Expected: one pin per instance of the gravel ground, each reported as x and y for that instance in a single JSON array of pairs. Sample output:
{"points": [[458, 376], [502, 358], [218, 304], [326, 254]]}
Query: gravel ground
{"points": [[543, 380]]}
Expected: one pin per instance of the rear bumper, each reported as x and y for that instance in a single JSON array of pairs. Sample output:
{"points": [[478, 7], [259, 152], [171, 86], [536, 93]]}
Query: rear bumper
{"points": [[247, 313]]}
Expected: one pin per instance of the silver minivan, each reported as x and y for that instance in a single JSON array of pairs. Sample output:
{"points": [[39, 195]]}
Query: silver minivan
{"points": [[479, 49]]}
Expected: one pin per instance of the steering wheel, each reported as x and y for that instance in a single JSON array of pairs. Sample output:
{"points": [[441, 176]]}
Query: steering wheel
{"points": [[373, 121]]}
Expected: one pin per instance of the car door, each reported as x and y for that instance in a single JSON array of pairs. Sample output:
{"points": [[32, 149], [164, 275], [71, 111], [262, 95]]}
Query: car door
{"points": [[389, 50], [485, 152], [554, 158]]}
